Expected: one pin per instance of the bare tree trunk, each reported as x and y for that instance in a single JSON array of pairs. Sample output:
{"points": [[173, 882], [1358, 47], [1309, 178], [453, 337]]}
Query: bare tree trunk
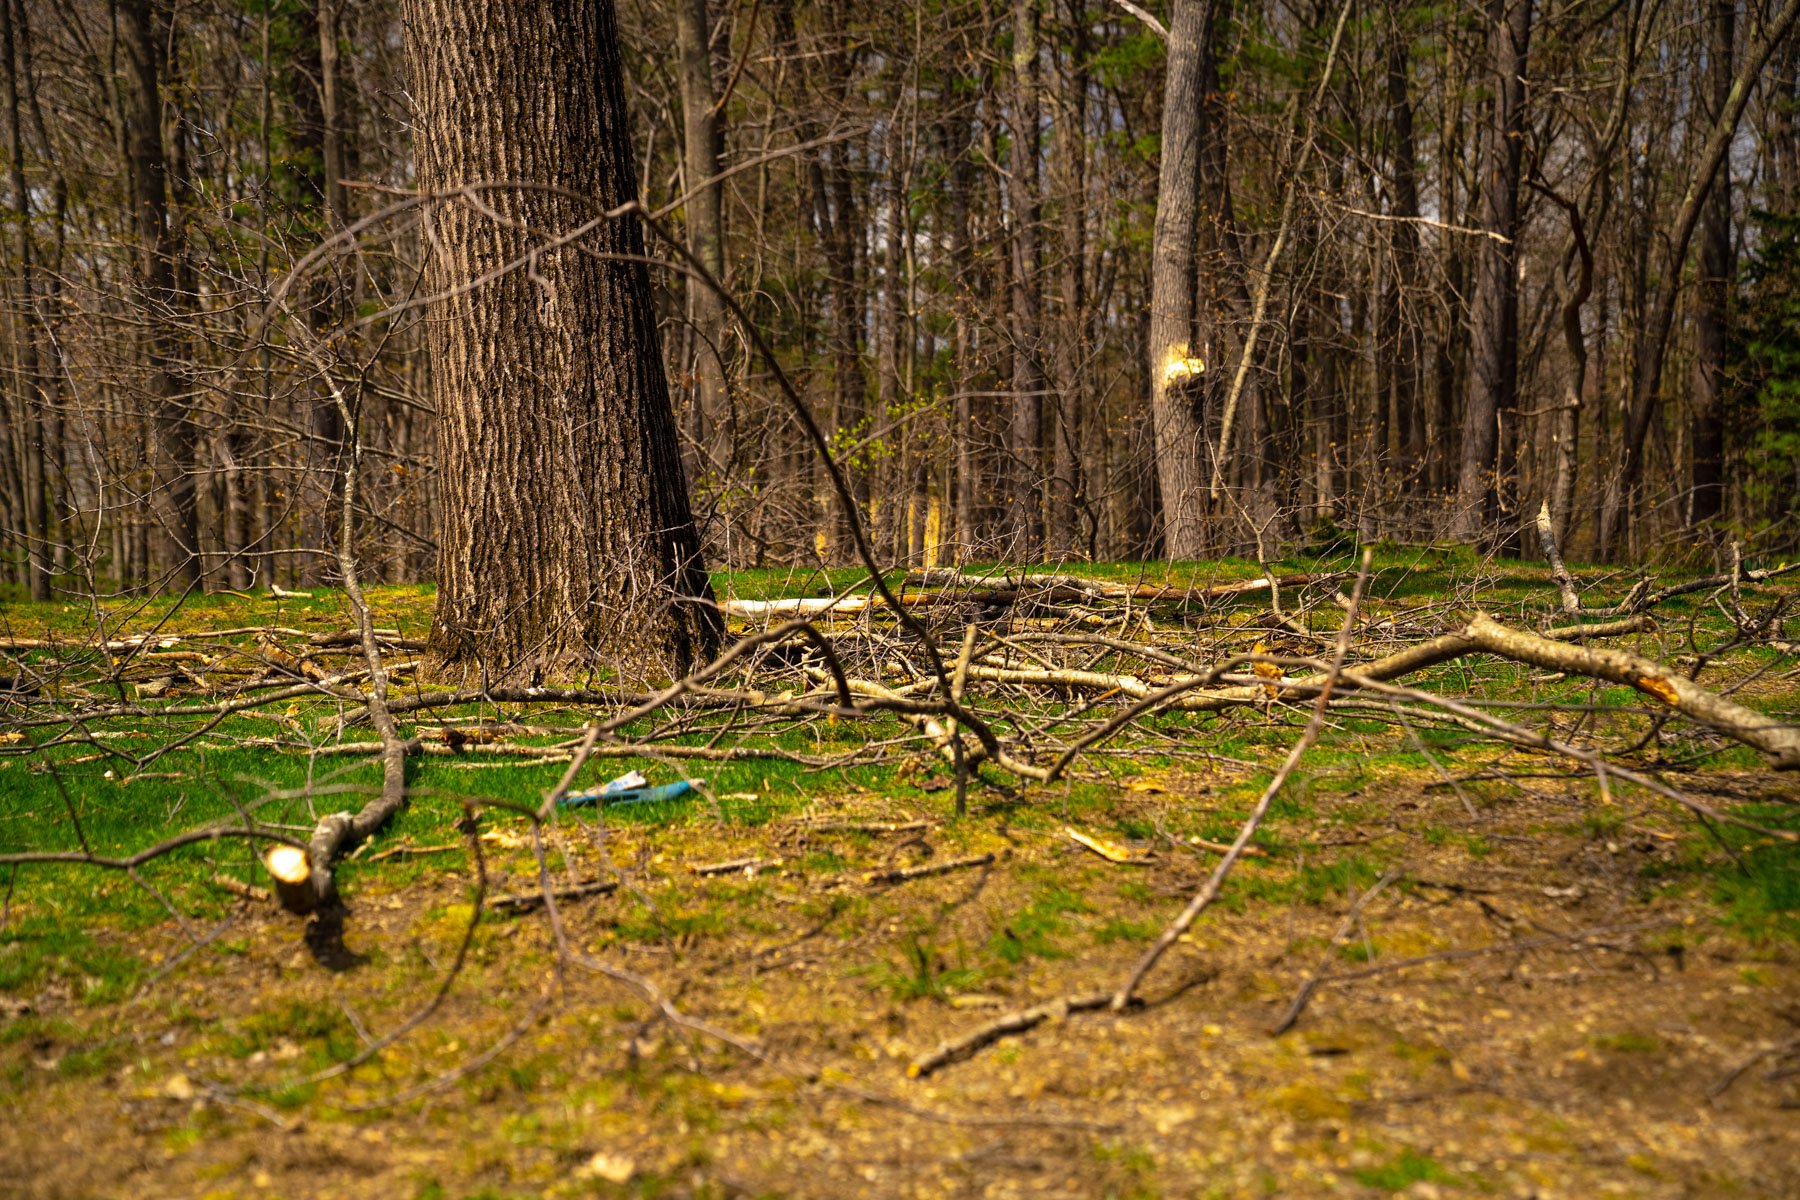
{"points": [[889, 466], [1175, 362], [172, 432], [1566, 426], [1067, 410], [701, 146], [565, 541], [1026, 443], [47, 301], [1484, 494], [1400, 332], [331, 114], [34, 399], [1717, 264], [956, 146]]}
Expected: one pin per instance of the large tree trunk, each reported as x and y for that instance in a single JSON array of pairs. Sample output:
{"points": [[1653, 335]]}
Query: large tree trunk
{"points": [[1453, 257], [565, 540], [1707, 426], [1174, 386], [47, 300], [1483, 489], [331, 116], [956, 138]]}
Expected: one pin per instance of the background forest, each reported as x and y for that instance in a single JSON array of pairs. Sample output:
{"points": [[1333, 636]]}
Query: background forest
{"points": [[1451, 262]]}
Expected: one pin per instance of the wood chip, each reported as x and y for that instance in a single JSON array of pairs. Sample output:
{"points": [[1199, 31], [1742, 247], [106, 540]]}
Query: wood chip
{"points": [[1112, 852]]}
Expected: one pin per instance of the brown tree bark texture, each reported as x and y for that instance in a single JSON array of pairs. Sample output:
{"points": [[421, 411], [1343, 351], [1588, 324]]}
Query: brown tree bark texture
{"points": [[566, 539], [1180, 432]]}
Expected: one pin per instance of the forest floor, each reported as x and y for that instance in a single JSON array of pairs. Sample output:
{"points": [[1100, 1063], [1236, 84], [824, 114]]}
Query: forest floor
{"points": [[1622, 967]]}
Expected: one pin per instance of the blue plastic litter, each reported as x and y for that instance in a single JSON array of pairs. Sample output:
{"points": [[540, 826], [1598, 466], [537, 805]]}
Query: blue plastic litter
{"points": [[611, 795]]}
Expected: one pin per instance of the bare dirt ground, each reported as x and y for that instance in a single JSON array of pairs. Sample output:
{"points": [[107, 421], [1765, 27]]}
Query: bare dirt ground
{"points": [[1565, 1068]]}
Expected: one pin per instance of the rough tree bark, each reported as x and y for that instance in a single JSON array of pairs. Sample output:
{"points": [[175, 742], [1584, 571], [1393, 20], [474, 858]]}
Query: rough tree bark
{"points": [[1561, 501], [1483, 484], [566, 541], [837, 219], [331, 116], [1174, 387], [1068, 406], [46, 297], [957, 140]]}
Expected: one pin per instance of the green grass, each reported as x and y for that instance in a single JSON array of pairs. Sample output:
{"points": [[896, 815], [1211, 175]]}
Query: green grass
{"points": [[1034, 929], [923, 972], [1404, 1170], [325, 1033], [38, 948], [1762, 899]]}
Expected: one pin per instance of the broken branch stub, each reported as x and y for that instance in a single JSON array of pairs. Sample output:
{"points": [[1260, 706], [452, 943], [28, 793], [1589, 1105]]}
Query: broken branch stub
{"points": [[289, 867]]}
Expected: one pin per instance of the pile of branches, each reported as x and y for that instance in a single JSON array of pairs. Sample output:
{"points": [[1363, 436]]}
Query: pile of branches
{"points": [[1055, 673], [1000, 681]]}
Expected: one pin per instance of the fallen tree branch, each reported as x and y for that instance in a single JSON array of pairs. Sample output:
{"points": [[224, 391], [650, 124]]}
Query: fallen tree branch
{"points": [[1304, 996], [957, 1049], [903, 874], [834, 826], [237, 887], [526, 901], [1778, 740], [342, 829], [731, 866]]}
